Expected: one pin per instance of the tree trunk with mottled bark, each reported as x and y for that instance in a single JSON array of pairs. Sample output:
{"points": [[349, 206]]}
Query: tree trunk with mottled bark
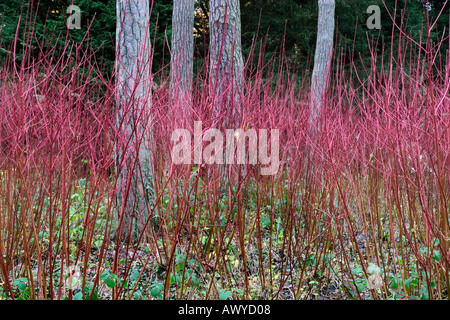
{"points": [[133, 97], [322, 58], [225, 50], [182, 55]]}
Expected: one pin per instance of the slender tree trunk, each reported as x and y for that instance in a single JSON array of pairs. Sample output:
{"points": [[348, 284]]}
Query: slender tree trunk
{"points": [[322, 58], [225, 50], [133, 97], [182, 55]]}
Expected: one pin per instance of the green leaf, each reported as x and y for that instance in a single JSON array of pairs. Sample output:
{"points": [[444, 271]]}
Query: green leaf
{"points": [[436, 255], [436, 242], [105, 275], [110, 283], [112, 275], [78, 296], [394, 285], [195, 281], [424, 297], [408, 282], [94, 296], [424, 292], [155, 293], [22, 286], [224, 295], [361, 284], [134, 275]]}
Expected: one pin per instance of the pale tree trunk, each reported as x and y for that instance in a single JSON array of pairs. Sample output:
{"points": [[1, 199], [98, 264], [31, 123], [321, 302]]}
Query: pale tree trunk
{"points": [[322, 59], [133, 98], [225, 50], [182, 55]]}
